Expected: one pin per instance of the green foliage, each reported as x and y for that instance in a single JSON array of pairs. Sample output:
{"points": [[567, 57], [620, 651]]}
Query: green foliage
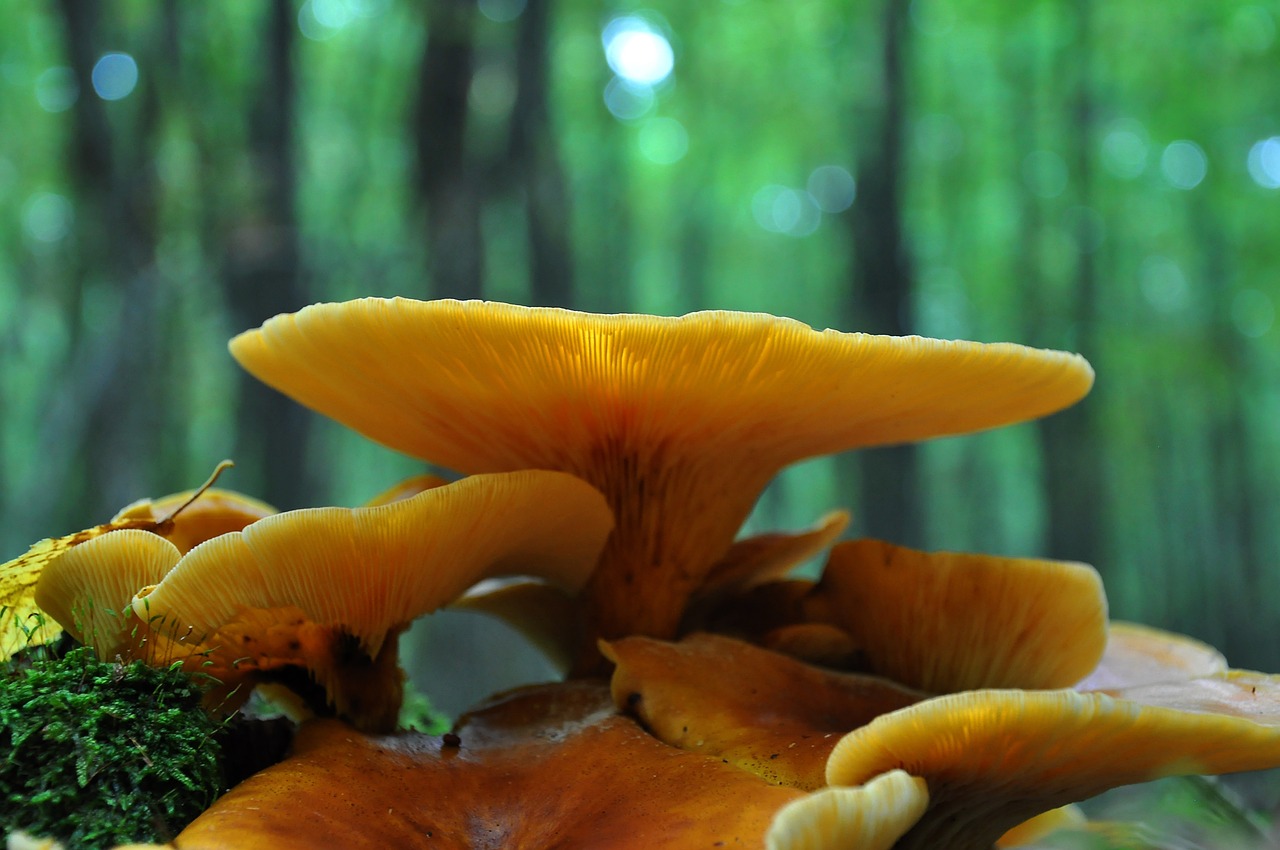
{"points": [[99, 753], [418, 713]]}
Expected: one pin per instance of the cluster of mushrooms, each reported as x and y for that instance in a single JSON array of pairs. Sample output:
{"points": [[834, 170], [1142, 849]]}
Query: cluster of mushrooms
{"points": [[905, 699]]}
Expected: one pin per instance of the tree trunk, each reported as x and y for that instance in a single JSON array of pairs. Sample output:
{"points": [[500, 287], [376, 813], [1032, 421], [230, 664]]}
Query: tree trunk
{"points": [[262, 275], [532, 152], [889, 499], [449, 186], [1071, 441]]}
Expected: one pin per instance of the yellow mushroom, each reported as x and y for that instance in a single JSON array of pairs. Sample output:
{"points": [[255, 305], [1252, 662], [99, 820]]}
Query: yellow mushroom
{"points": [[680, 422], [320, 595]]}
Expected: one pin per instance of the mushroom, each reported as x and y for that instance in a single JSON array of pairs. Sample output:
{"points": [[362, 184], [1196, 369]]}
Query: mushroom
{"points": [[994, 758], [185, 518], [869, 817], [765, 557], [947, 621], [1140, 655], [552, 766], [772, 715], [680, 422], [937, 621], [90, 588], [320, 595]]}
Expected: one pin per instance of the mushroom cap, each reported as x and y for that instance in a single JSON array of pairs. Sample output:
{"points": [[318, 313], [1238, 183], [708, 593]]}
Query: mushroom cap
{"points": [[212, 513], [993, 759], [182, 519], [483, 387], [547, 616], [946, 621], [1142, 655], [768, 557], [88, 590], [324, 589], [869, 817], [761, 711], [547, 767], [680, 422], [406, 488]]}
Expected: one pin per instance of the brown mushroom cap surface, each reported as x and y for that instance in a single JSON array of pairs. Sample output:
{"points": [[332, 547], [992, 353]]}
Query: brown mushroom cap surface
{"points": [[543, 768], [764, 712], [680, 422], [993, 759], [329, 589]]}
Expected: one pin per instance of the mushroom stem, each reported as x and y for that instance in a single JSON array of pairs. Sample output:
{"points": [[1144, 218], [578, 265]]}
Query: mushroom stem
{"points": [[674, 521]]}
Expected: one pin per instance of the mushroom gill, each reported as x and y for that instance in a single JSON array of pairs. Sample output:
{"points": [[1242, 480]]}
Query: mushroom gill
{"points": [[680, 422], [994, 758]]}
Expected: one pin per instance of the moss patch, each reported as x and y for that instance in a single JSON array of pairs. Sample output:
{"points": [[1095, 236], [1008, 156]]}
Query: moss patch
{"points": [[97, 753]]}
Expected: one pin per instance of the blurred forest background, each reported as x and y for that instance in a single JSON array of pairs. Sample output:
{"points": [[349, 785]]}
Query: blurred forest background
{"points": [[1099, 177]]}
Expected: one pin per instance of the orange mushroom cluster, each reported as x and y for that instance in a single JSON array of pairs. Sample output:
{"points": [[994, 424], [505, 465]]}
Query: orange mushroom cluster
{"points": [[903, 700]]}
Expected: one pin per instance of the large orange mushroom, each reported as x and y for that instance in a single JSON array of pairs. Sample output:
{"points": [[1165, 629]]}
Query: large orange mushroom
{"points": [[680, 422], [552, 766]]}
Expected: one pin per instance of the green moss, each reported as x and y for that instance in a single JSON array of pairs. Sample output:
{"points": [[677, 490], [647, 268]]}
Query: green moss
{"points": [[97, 753]]}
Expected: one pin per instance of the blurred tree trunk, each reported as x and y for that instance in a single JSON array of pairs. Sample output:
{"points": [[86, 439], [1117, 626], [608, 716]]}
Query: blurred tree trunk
{"points": [[882, 279], [1072, 441], [262, 274], [449, 184], [532, 152], [115, 426]]}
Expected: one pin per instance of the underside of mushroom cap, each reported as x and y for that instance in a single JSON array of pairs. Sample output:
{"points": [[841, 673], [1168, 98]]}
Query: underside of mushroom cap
{"points": [[993, 759], [947, 621], [325, 589]]}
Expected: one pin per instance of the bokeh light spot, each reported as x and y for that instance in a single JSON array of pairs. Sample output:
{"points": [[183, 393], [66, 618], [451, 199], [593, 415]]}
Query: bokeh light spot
{"points": [[1184, 164], [501, 11], [626, 101], [1045, 173], [114, 76], [781, 209], [1253, 312], [664, 141], [832, 188], [47, 217], [1124, 153], [57, 89], [1163, 285], [637, 52], [1264, 163]]}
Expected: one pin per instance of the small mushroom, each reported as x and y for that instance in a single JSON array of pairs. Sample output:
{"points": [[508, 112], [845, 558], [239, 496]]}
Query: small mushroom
{"points": [[768, 557], [680, 422], [184, 518], [994, 758], [869, 817], [320, 595], [1141, 655], [90, 588], [946, 621], [766, 713]]}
